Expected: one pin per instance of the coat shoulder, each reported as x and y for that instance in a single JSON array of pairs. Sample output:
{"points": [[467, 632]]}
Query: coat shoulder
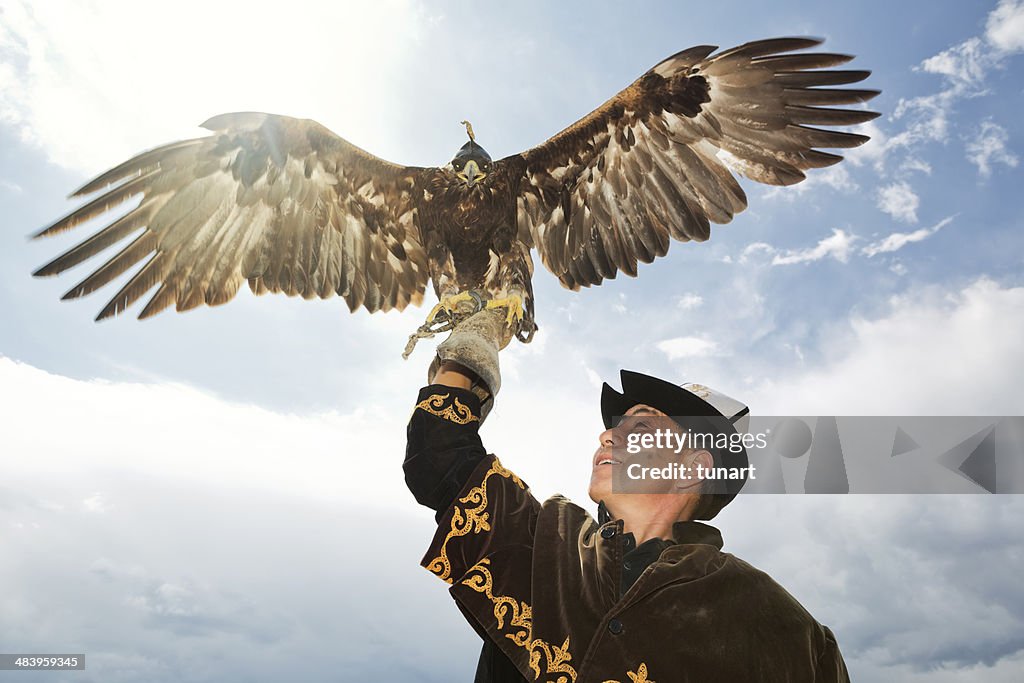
{"points": [[561, 511], [785, 615]]}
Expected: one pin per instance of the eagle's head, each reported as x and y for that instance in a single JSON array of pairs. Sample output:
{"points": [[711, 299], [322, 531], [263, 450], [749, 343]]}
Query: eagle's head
{"points": [[471, 164]]}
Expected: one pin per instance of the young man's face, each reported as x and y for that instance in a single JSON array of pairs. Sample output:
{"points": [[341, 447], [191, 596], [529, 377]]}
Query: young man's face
{"points": [[644, 438]]}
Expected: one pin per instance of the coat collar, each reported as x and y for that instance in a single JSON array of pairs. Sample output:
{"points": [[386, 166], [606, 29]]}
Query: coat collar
{"points": [[682, 532]]}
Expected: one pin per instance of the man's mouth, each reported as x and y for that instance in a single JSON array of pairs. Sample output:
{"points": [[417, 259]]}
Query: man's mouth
{"points": [[606, 460]]}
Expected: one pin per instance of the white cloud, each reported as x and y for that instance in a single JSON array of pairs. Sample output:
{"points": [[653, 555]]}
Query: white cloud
{"points": [[284, 475], [914, 164], [592, 377], [838, 246], [1005, 26], [928, 117], [990, 146], [686, 347], [937, 626], [898, 240], [935, 352], [243, 579], [690, 301], [89, 105], [965, 68], [899, 201], [96, 503], [14, 188], [963, 64], [752, 249], [132, 427]]}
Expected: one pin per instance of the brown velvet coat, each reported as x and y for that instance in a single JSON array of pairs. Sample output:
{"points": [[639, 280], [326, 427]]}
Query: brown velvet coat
{"points": [[542, 581]]}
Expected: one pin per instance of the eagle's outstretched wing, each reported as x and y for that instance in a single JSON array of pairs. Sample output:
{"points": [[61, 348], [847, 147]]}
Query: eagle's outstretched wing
{"points": [[653, 162], [283, 203]]}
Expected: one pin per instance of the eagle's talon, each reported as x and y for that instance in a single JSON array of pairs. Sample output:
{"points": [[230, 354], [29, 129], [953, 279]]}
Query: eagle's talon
{"points": [[514, 306], [450, 306]]}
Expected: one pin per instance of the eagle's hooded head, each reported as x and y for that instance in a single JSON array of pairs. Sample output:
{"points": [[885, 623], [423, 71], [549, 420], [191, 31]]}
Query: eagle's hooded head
{"points": [[472, 163]]}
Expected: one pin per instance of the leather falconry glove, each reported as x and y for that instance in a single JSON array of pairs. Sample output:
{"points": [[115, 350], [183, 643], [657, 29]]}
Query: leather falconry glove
{"points": [[474, 344]]}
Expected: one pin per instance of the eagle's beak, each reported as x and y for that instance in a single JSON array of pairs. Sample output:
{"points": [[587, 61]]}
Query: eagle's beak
{"points": [[471, 173]]}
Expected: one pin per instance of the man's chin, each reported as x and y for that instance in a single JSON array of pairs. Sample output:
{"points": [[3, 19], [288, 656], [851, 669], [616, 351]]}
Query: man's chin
{"points": [[599, 491]]}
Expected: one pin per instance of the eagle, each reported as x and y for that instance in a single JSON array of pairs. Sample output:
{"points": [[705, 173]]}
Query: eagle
{"points": [[288, 206]]}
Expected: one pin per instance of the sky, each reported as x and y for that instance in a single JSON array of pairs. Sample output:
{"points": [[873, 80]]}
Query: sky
{"points": [[218, 495]]}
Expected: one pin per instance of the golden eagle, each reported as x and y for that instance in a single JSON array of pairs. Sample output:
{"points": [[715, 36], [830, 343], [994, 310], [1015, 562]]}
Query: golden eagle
{"points": [[289, 206]]}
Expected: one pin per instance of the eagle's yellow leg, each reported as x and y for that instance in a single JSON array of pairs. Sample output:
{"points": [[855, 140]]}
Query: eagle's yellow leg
{"points": [[448, 305], [514, 304]]}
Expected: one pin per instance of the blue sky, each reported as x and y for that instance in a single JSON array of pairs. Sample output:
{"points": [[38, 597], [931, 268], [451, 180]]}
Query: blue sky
{"points": [[227, 482]]}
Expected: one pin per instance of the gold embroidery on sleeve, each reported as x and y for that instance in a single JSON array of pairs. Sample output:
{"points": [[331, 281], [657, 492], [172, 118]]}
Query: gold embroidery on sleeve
{"points": [[458, 412], [520, 621], [471, 518]]}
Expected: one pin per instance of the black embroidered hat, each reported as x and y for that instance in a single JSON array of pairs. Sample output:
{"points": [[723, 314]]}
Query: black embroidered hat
{"points": [[695, 407]]}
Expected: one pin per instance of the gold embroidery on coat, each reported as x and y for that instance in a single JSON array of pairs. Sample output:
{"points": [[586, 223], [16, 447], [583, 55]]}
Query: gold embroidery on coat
{"points": [[457, 412], [516, 613], [520, 619], [469, 519], [639, 677]]}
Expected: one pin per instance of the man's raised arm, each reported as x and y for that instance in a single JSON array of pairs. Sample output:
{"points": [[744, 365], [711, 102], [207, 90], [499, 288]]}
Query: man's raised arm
{"points": [[443, 446]]}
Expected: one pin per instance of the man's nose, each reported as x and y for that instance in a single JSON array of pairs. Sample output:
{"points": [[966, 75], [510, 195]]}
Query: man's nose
{"points": [[607, 437]]}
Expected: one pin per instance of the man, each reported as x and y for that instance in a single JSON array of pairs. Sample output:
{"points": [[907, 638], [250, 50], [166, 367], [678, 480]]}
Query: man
{"points": [[643, 594]]}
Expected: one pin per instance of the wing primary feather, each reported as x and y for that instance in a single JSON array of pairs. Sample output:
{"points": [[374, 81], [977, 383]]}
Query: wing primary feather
{"points": [[829, 117], [144, 280], [163, 298], [808, 79], [825, 96], [820, 60], [819, 137], [136, 164], [769, 46], [109, 235], [100, 205], [125, 259]]}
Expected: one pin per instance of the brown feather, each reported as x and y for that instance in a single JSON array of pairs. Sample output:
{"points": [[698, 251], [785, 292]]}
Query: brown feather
{"points": [[100, 205], [140, 283], [138, 249], [112, 234]]}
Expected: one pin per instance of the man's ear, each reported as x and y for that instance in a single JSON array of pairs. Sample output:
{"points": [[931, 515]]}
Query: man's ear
{"points": [[702, 458], [692, 483]]}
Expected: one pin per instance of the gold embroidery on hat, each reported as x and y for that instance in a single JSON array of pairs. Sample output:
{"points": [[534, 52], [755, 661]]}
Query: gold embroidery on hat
{"points": [[471, 518], [699, 390], [457, 412]]}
